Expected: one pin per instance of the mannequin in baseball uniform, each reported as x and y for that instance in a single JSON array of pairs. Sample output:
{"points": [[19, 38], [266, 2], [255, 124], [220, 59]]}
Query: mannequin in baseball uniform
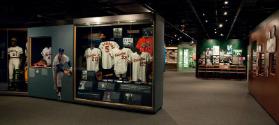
{"points": [[136, 59], [145, 59], [92, 56], [14, 53], [121, 58], [59, 62]]}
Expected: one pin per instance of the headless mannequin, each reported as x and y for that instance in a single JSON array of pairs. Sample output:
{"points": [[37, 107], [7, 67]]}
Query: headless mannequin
{"points": [[121, 76]]}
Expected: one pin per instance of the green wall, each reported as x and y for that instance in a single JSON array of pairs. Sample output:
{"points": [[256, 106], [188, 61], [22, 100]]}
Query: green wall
{"points": [[192, 50], [236, 44]]}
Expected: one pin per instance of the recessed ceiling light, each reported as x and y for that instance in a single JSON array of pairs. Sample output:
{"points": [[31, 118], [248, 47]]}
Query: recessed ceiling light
{"points": [[215, 29], [225, 13], [215, 32], [206, 21], [203, 14], [220, 25], [226, 2], [221, 34], [192, 41], [226, 20]]}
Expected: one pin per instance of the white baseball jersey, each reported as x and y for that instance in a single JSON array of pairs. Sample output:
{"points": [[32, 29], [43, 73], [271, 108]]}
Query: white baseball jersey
{"points": [[121, 58], [46, 53], [136, 59], [145, 58], [106, 48], [15, 52], [26, 50], [92, 59]]}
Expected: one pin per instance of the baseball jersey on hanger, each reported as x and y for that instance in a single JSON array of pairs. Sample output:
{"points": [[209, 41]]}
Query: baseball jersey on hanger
{"points": [[136, 59], [121, 58], [92, 59], [106, 49], [145, 58], [145, 44]]}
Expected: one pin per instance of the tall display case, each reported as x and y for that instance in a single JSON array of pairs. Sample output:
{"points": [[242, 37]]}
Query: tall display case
{"points": [[13, 58], [118, 61]]}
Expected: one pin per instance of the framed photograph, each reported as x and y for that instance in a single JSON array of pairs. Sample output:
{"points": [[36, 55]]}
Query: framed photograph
{"points": [[229, 50], [41, 52], [216, 60], [171, 55], [271, 42], [216, 50], [117, 32]]}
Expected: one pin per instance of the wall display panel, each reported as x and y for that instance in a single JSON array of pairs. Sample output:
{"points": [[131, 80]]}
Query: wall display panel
{"points": [[13, 60], [263, 80], [114, 62], [171, 55], [222, 59], [50, 67]]}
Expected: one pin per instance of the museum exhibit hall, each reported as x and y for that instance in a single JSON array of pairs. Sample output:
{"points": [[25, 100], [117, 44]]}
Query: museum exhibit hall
{"points": [[139, 62]]}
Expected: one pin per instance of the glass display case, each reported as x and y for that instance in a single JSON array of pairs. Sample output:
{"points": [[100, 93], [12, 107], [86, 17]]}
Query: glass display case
{"points": [[114, 61], [13, 58]]}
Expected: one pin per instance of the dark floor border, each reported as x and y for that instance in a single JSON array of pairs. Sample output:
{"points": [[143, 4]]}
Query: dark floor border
{"points": [[100, 106], [13, 93], [255, 98]]}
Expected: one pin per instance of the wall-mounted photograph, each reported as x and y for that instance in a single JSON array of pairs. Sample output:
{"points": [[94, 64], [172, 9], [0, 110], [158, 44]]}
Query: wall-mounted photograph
{"points": [[41, 52]]}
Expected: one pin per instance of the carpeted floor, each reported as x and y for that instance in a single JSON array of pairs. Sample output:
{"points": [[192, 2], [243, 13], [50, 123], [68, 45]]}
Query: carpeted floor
{"points": [[187, 101]]}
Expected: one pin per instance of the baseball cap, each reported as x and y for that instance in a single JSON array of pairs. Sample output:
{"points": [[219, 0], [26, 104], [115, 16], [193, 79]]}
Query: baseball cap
{"points": [[13, 39], [60, 50]]}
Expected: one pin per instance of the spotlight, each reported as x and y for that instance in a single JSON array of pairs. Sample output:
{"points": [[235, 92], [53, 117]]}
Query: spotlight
{"points": [[226, 2], [221, 34], [220, 25], [192, 42], [225, 13], [215, 32], [206, 21], [203, 14]]}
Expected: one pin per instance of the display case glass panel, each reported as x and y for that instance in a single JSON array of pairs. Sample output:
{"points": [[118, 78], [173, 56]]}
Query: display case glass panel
{"points": [[13, 59]]}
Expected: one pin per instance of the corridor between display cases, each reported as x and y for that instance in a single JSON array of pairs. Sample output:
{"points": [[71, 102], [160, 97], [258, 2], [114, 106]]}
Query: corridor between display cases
{"points": [[187, 101]]}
